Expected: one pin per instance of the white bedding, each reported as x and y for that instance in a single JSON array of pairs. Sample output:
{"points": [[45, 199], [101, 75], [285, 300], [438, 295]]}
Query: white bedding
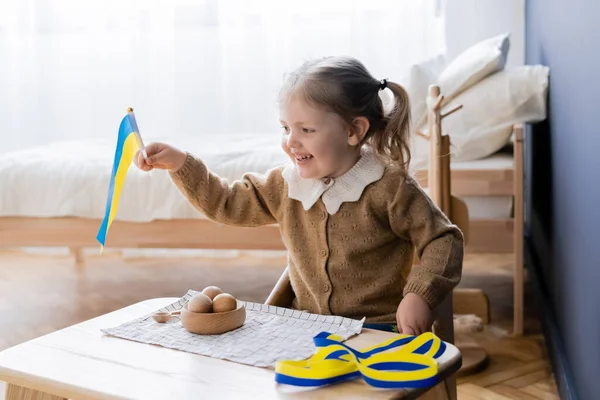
{"points": [[71, 179]]}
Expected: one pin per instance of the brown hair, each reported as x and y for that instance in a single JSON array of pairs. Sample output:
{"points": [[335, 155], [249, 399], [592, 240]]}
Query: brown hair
{"points": [[345, 87]]}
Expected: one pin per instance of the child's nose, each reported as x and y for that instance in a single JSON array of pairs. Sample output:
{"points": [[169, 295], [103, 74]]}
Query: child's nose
{"points": [[292, 142]]}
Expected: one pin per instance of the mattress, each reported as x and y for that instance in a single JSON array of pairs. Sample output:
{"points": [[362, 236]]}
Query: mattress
{"points": [[70, 179]]}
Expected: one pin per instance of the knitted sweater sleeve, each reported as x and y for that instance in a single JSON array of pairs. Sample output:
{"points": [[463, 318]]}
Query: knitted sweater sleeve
{"points": [[439, 243], [251, 201]]}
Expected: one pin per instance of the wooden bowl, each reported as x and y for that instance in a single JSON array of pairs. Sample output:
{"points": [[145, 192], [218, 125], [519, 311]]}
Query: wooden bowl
{"points": [[213, 323]]}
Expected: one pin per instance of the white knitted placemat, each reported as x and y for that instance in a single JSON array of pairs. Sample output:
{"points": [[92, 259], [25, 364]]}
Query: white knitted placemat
{"points": [[270, 334]]}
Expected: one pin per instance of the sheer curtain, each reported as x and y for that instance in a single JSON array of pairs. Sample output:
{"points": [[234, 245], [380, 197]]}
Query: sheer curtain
{"points": [[70, 68]]}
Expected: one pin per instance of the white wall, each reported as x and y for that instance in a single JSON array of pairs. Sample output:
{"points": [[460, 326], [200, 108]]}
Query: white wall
{"points": [[469, 21]]}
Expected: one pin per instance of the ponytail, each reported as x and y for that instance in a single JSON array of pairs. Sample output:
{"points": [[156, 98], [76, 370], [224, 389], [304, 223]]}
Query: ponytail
{"points": [[392, 142]]}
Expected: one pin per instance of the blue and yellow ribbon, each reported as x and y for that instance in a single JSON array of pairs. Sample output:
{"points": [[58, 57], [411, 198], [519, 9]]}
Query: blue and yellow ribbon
{"points": [[404, 361], [127, 146]]}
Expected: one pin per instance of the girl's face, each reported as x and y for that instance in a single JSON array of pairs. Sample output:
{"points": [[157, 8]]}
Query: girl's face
{"points": [[317, 140]]}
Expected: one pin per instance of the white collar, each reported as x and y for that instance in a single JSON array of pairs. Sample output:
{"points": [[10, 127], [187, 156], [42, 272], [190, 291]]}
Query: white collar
{"points": [[335, 191]]}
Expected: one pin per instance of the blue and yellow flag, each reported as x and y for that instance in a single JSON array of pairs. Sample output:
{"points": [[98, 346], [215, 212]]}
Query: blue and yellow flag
{"points": [[127, 146]]}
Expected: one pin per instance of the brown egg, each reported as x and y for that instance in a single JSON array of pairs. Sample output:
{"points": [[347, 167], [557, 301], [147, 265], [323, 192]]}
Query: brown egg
{"points": [[212, 291], [200, 303], [224, 302]]}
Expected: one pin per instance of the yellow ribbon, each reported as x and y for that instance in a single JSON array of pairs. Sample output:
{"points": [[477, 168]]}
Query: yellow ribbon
{"points": [[404, 361]]}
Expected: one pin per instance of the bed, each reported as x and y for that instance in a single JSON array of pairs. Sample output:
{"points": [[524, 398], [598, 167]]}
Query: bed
{"points": [[56, 196]]}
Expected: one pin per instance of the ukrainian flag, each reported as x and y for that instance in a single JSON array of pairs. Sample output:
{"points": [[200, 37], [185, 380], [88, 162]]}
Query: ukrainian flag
{"points": [[127, 146]]}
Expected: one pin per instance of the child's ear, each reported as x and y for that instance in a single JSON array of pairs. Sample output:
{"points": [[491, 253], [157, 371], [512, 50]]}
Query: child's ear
{"points": [[358, 130]]}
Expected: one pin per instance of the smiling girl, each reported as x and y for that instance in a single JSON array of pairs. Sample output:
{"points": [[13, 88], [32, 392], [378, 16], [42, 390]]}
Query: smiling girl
{"points": [[350, 214]]}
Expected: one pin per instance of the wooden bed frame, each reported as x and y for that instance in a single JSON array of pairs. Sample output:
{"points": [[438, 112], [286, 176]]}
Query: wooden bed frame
{"points": [[486, 235]]}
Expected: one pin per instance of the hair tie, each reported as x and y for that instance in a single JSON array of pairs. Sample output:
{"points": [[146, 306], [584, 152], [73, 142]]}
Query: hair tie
{"points": [[383, 84]]}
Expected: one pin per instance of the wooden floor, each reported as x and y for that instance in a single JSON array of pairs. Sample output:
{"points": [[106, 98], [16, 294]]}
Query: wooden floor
{"points": [[40, 294]]}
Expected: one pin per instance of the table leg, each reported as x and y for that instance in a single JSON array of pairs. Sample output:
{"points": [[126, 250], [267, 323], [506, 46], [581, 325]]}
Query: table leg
{"points": [[16, 392], [444, 329], [441, 391]]}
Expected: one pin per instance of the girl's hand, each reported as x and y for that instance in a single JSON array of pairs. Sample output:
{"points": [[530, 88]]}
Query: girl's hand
{"points": [[161, 156], [414, 316]]}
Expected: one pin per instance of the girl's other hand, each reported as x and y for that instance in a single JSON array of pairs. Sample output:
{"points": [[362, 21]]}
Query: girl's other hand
{"points": [[414, 316], [160, 156]]}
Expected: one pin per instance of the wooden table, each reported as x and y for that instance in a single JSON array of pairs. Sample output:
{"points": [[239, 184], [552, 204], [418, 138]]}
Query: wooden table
{"points": [[80, 362]]}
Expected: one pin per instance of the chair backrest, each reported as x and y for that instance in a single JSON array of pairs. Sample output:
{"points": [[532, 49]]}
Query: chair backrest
{"points": [[439, 179]]}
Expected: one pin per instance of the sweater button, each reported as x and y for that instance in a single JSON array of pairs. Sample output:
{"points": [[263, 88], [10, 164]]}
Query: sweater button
{"points": [[323, 253], [327, 181], [326, 287], [323, 215]]}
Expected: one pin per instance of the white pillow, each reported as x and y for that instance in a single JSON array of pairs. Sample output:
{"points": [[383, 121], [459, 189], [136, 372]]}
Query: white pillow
{"points": [[421, 76], [490, 109], [473, 65], [416, 81]]}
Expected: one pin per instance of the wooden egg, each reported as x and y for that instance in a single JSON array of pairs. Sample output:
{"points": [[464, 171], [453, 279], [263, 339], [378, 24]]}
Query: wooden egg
{"points": [[212, 291], [200, 303], [224, 302]]}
